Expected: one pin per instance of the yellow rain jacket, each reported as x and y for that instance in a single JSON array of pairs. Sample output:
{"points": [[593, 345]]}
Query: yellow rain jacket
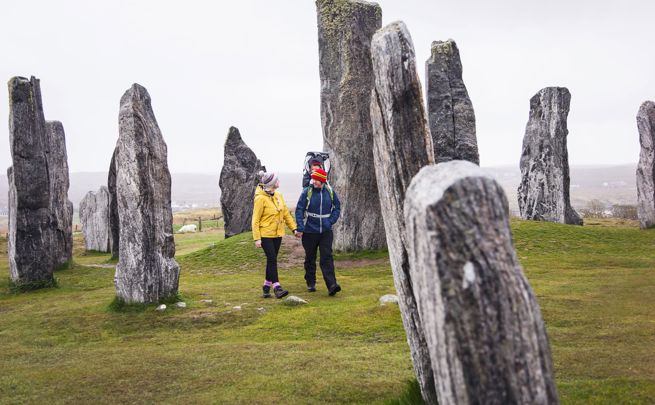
{"points": [[269, 215]]}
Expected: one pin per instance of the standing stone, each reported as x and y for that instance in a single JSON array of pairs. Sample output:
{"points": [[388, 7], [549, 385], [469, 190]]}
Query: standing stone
{"points": [[401, 146], [114, 225], [544, 190], [32, 256], [345, 28], [61, 207], [238, 182], [484, 329], [94, 216], [646, 167], [450, 111], [146, 271]]}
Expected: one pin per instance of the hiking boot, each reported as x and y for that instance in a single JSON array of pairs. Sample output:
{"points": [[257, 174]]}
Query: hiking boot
{"points": [[267, 291], [311, 287], [334, 289], [280, 292]]}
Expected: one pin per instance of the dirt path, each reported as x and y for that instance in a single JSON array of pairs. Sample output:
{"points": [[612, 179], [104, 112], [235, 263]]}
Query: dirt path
{"points": [[292, 255]]}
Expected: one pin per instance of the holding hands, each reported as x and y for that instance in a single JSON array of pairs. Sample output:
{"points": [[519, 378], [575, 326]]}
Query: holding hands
{"points": [[297, 234]]}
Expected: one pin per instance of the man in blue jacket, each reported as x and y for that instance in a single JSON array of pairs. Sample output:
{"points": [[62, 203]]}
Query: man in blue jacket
{"points": [[317, 210]]}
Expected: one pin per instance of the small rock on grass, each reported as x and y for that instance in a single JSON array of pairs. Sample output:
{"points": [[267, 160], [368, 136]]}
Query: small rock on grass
{"points": [[388, 299], [180, 304], [293, 301], [161, 308]]}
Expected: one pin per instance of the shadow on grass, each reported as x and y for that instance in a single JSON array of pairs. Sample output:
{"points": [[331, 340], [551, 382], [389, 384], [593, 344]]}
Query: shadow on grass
{"points": [[17, 288], [410, 396], [119, 305]]}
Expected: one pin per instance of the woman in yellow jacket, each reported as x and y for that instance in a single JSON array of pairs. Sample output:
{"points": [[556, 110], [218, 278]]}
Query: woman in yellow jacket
{"points": [[268, 217]]}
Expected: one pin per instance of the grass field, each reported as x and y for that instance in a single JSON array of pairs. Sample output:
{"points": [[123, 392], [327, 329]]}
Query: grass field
{"points": [[595, 285]]}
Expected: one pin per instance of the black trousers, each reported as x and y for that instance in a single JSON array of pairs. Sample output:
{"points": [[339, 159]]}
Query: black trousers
{"points": [[322, 241], [271, 247]]}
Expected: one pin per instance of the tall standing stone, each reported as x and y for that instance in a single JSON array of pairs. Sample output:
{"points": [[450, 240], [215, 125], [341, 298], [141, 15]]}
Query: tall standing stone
{"points": [[114, 225], [483, 325], [450, 111], [146, 271], [345, 29], [94, 217], [238, 182], [31, 254], [401, 146], [60, 206], [544, 190], [646, 166]]}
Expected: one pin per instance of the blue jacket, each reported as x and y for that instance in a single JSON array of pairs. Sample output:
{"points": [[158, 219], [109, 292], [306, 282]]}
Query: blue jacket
{"points": [[322, 205]]}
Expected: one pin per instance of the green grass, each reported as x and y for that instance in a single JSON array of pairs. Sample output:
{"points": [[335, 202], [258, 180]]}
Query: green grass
{"points": [[596, 288], [595, 285]]}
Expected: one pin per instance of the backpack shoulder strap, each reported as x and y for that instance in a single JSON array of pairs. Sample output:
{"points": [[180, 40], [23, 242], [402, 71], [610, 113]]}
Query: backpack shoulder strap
{"points": [[309, 196]]}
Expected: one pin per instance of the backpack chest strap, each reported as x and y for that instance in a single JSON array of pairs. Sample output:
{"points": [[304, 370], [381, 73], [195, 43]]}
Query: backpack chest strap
{"points": [[311, 214]]}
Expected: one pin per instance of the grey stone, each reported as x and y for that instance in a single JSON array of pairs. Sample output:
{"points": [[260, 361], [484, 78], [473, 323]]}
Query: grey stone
{"points": [[207, 301], [40, 215], [114, 224], [543, 194], [94, 217], [146, 271], [388, 299], [61, 207], [646, 166], [238, 182], [161, 308], [292, 300], [180, 304], [345, 29], [450, 111], [401, 146], [482, 322]]}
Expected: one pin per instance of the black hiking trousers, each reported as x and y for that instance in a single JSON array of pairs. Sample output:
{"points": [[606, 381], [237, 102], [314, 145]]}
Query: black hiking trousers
{"points": [[271, 247], [322, 241]]}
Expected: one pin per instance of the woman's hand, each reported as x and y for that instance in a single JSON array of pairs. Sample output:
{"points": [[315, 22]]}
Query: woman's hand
{"points": [[258, 243]]}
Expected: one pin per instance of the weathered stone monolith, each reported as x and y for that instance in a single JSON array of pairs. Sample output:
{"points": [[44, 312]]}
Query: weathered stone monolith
{"points": [[482, 322], [401, 146], [61, 207], [146, 271], [450, 111], [238, 182], [114, 225], [544, 190], [94, 217], [345, 29], [646, 166], [32, 256]]}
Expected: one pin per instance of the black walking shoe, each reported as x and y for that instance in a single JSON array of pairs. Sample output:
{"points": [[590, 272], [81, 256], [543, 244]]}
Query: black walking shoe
{"points": [[311, 287], [334, 289], [280, 292], [267, 291]]}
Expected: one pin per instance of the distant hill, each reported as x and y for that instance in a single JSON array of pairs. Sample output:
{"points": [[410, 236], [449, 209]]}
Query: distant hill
{"points": [[611, 184]]}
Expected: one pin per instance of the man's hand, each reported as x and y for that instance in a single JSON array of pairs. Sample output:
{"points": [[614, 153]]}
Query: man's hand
{"points": [[297, 234], [258, 243]]}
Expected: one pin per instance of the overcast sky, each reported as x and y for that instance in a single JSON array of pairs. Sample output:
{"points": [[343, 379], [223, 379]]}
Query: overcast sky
{"points": [[209, 65]]}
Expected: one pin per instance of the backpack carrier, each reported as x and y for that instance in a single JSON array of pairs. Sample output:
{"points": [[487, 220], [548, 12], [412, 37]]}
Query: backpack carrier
{"points": [[322, 157]]}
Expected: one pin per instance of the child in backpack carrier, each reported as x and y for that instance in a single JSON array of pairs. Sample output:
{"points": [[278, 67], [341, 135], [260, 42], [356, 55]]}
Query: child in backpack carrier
{"points": [[313, 161]]}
